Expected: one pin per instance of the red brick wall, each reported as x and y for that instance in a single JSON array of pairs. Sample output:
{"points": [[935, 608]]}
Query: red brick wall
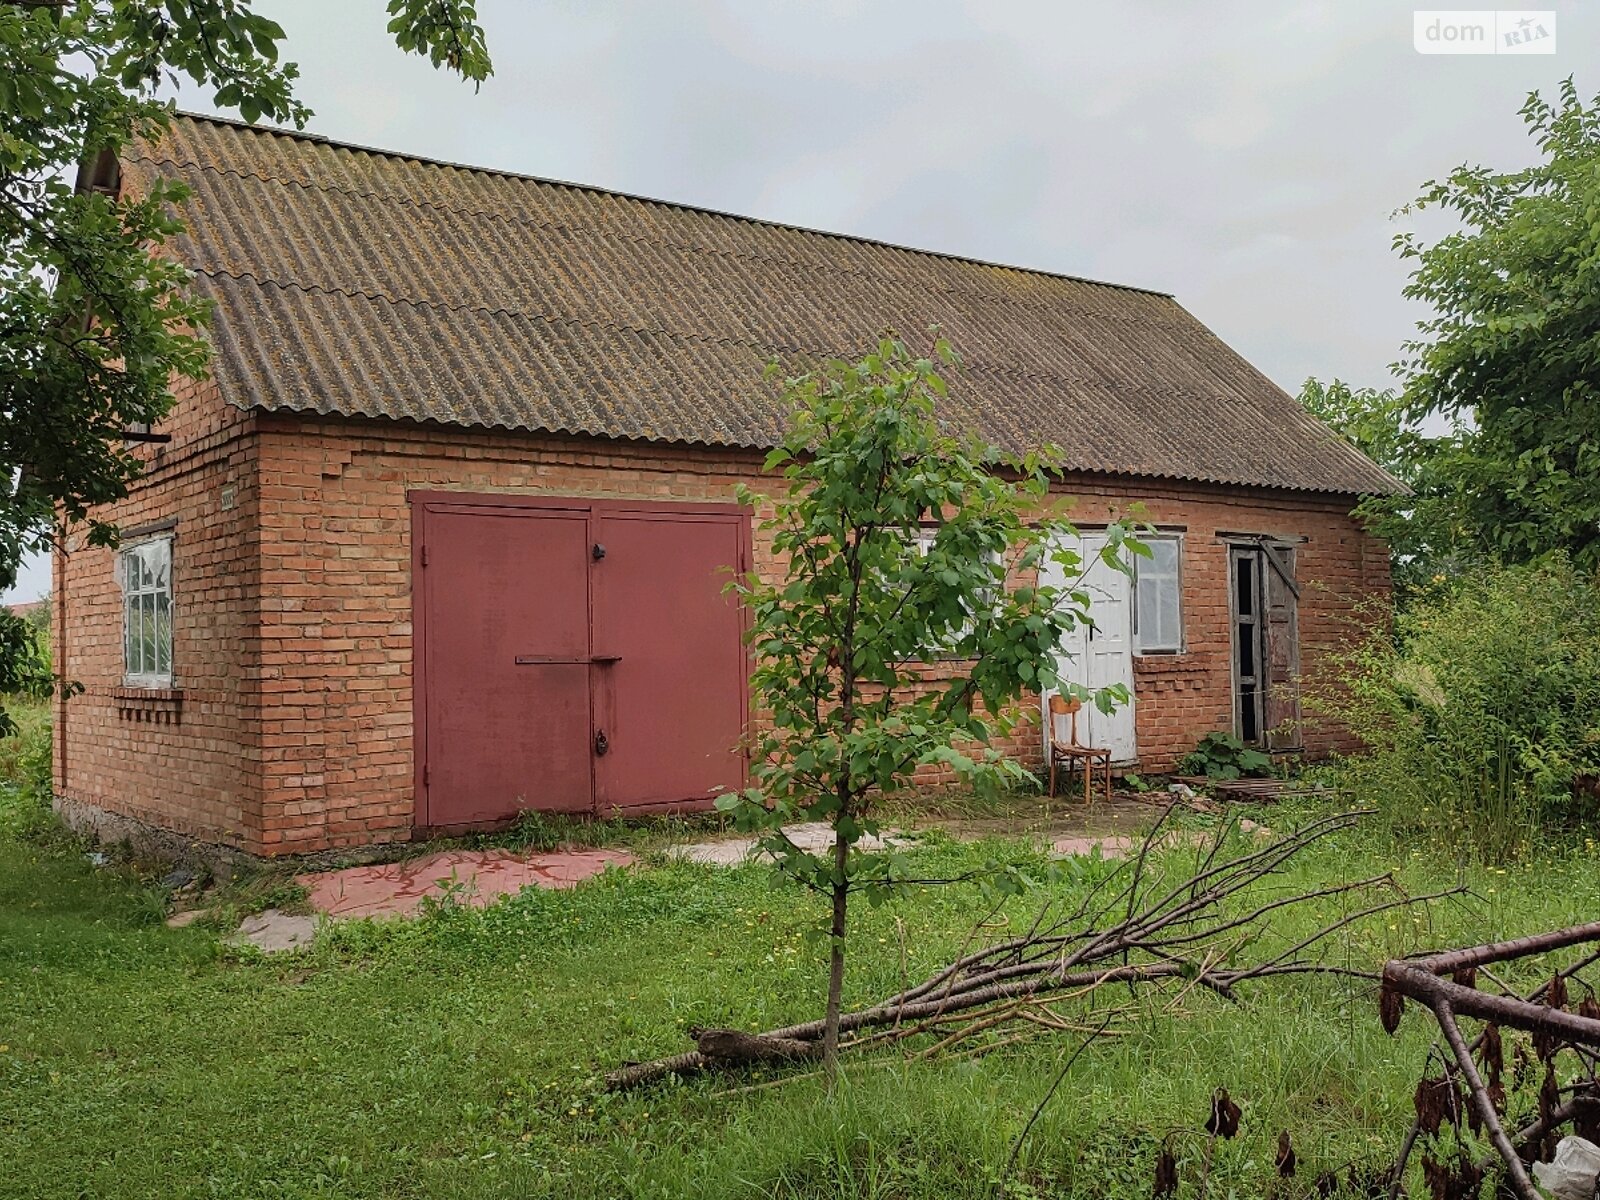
{"points": [[184, 761], [1182, 697], [324, 645]]}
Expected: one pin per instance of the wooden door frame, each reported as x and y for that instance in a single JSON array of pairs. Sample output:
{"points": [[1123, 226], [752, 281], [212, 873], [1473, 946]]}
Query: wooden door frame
{"points": [[422, 501], [1236, 551], [1265, 549]]}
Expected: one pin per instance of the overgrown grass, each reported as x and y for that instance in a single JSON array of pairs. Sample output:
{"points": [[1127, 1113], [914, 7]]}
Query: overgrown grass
{"points": [[19, 753], [459, 1055]]}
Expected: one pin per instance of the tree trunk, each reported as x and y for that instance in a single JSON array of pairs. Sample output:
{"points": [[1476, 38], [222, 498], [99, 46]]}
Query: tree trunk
{"points": [[841, 895]]}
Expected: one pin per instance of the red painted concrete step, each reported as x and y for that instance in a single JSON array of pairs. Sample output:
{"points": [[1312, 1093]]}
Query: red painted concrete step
{"points": [[483, 876]]}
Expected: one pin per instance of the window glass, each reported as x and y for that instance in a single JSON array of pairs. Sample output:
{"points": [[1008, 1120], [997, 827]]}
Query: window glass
{"points": [[163, 632], [1158, 598], [146, 571], [147, 634]]}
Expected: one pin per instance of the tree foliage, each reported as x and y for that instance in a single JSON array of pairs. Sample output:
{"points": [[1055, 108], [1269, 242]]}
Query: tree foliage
{"points": [[1425, 528], [1496, 430], [96, 322], [1374, 421], [906, 548], [1511, 354]]}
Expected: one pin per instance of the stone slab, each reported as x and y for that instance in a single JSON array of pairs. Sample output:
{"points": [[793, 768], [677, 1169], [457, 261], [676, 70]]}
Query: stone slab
{"points": [[813, 836], [475, 877], [274, 932]]}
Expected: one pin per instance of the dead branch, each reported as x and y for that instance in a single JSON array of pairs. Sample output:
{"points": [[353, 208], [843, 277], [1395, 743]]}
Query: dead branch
{"points": [[1540, 1013], [1420, 984], [1133, 928], [1532, 1133], [1517, 1173], [735, 1046]]}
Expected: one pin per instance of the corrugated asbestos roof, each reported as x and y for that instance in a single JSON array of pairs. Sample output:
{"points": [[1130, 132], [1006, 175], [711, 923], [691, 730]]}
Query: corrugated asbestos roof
{"points": [[356, 282]]}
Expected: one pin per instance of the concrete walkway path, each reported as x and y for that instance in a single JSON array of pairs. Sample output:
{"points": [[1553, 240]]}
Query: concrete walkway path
{"points": [[397, 889], [480, 877], [812, 836], [475, 877]]}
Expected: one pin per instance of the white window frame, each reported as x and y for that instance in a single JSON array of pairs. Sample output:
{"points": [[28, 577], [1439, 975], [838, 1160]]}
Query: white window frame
{"points": [[140, 603], [1144, 565]]}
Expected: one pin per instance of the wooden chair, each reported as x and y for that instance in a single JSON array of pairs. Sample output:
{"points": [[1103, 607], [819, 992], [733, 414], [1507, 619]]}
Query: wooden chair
{"points": [[1070, 754]]}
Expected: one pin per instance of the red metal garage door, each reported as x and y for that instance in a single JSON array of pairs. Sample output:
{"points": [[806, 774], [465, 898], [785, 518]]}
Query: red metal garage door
{"points": [[574, 655], [505, 675], [673, 703]]}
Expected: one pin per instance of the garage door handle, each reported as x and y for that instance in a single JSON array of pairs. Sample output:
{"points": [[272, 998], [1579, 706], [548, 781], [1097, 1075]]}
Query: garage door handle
{"points": [[537, 660]]}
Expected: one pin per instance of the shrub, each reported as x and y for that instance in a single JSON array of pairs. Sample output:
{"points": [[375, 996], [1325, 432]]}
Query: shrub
{"points": [[25, 769], [35, 772], [1481, 714], [1223, 756]]}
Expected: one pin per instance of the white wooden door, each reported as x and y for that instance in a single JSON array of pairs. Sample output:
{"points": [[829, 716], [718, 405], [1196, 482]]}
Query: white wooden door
{"points": [[1101, 654]]}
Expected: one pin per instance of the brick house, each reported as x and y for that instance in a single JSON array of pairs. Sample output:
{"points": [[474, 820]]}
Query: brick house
{"points": [[442, 538]]}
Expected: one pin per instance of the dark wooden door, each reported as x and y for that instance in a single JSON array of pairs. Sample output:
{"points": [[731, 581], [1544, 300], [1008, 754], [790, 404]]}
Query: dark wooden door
{"points": [[1249, 670], [575, 656], [1281, 606], [671, 705], [505, 679]]}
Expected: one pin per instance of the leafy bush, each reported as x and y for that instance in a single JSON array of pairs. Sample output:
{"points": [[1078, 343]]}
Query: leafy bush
{"points": [[35, 763], [1481, 715], [25, 769], [1223, 756], [26, 675]]}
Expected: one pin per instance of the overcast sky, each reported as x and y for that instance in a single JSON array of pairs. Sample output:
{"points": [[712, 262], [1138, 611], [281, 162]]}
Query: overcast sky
{"points": [[1248, 157]]}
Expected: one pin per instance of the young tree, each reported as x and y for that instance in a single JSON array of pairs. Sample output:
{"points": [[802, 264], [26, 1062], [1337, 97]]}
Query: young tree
{"points": [[96, 321], [1513, 351], [899, 540]]}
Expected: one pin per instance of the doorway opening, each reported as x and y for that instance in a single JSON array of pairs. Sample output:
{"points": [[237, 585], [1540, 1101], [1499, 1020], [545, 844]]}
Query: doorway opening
{"points": [[1264, 599]]}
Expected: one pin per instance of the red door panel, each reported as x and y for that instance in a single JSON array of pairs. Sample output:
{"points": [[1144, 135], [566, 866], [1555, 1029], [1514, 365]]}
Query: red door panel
{"points": [[671, 705], [502, 584]]}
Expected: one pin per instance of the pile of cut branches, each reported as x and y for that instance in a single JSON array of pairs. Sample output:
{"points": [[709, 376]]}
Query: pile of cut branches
{"points": [[1562, 1042], [1135, 927]]}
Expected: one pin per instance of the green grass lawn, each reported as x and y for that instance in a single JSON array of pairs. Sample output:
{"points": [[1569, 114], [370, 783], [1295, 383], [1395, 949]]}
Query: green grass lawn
{"points": [[459, 1055]]}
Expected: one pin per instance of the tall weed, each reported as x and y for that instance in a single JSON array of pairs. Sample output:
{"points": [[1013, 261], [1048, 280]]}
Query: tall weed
{"points": [[1481, 712], [26, 784]]}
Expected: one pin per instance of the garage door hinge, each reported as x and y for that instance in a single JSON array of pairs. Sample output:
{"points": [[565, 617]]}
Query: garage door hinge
{"points": [[424, 556], [424, 774]]}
